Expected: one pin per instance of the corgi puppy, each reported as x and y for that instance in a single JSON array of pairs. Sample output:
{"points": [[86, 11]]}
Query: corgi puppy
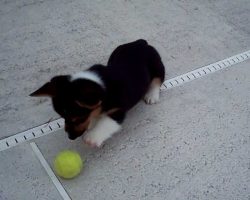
{"points": [[94, 102]]}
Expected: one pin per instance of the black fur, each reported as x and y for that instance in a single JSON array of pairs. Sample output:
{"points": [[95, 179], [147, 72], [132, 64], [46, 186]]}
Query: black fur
{"points": [[130, 70]]}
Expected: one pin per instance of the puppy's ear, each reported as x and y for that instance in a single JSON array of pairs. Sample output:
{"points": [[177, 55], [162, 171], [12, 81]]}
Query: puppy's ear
{"points": [[51, 88], [47, 89]]}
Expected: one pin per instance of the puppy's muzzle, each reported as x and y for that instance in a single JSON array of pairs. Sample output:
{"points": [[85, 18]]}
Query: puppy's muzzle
{"points": [[73, 133]]}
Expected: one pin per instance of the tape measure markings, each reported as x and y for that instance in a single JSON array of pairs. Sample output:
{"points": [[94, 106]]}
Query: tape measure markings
{"points": [[31, 134], [203, 71]]}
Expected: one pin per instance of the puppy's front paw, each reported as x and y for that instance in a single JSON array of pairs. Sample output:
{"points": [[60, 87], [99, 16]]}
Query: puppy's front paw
{"points": [[92, 140], [152, 96]]}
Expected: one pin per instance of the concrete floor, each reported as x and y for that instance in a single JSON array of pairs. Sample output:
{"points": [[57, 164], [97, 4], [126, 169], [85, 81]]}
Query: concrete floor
{"points": [[194, 144]]}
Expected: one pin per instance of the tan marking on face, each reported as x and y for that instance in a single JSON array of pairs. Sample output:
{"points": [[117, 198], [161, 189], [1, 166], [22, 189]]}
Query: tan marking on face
{"points": [[83, 105], [93, 115], [113, 110], [156, 82]]}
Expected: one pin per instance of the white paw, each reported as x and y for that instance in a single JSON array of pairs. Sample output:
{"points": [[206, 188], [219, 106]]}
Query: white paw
{"points": [[153, 95], [103, 129], [92, 140]]}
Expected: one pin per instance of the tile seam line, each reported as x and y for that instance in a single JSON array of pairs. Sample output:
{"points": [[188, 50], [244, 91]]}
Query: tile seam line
{"points": [[49, 171], [53, 126]]}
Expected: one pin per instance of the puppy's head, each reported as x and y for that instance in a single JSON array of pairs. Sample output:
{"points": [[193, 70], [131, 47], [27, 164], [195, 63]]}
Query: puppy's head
{"points": [[78, 99]]}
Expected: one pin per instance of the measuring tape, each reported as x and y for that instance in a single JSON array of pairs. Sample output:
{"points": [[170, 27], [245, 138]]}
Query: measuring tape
{"points": [[58, 124], [203, 71]]}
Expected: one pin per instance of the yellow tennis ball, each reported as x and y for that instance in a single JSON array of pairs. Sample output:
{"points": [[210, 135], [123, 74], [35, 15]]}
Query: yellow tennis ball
{"points": [[68, 164]]}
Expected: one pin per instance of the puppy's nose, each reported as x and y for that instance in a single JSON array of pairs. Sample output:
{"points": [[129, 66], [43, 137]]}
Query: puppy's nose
{"points": [[71, 137]]}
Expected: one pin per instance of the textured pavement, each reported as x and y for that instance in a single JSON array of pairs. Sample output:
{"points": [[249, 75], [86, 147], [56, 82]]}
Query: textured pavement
{"points": [[194, 144]]}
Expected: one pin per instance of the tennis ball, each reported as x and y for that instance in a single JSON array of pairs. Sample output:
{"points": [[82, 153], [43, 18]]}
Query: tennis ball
{"points": [[68, 164]]}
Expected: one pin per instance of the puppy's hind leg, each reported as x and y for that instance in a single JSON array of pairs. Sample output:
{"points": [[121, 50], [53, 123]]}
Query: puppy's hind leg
{"points": [[157, 71], [153, 94]]}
